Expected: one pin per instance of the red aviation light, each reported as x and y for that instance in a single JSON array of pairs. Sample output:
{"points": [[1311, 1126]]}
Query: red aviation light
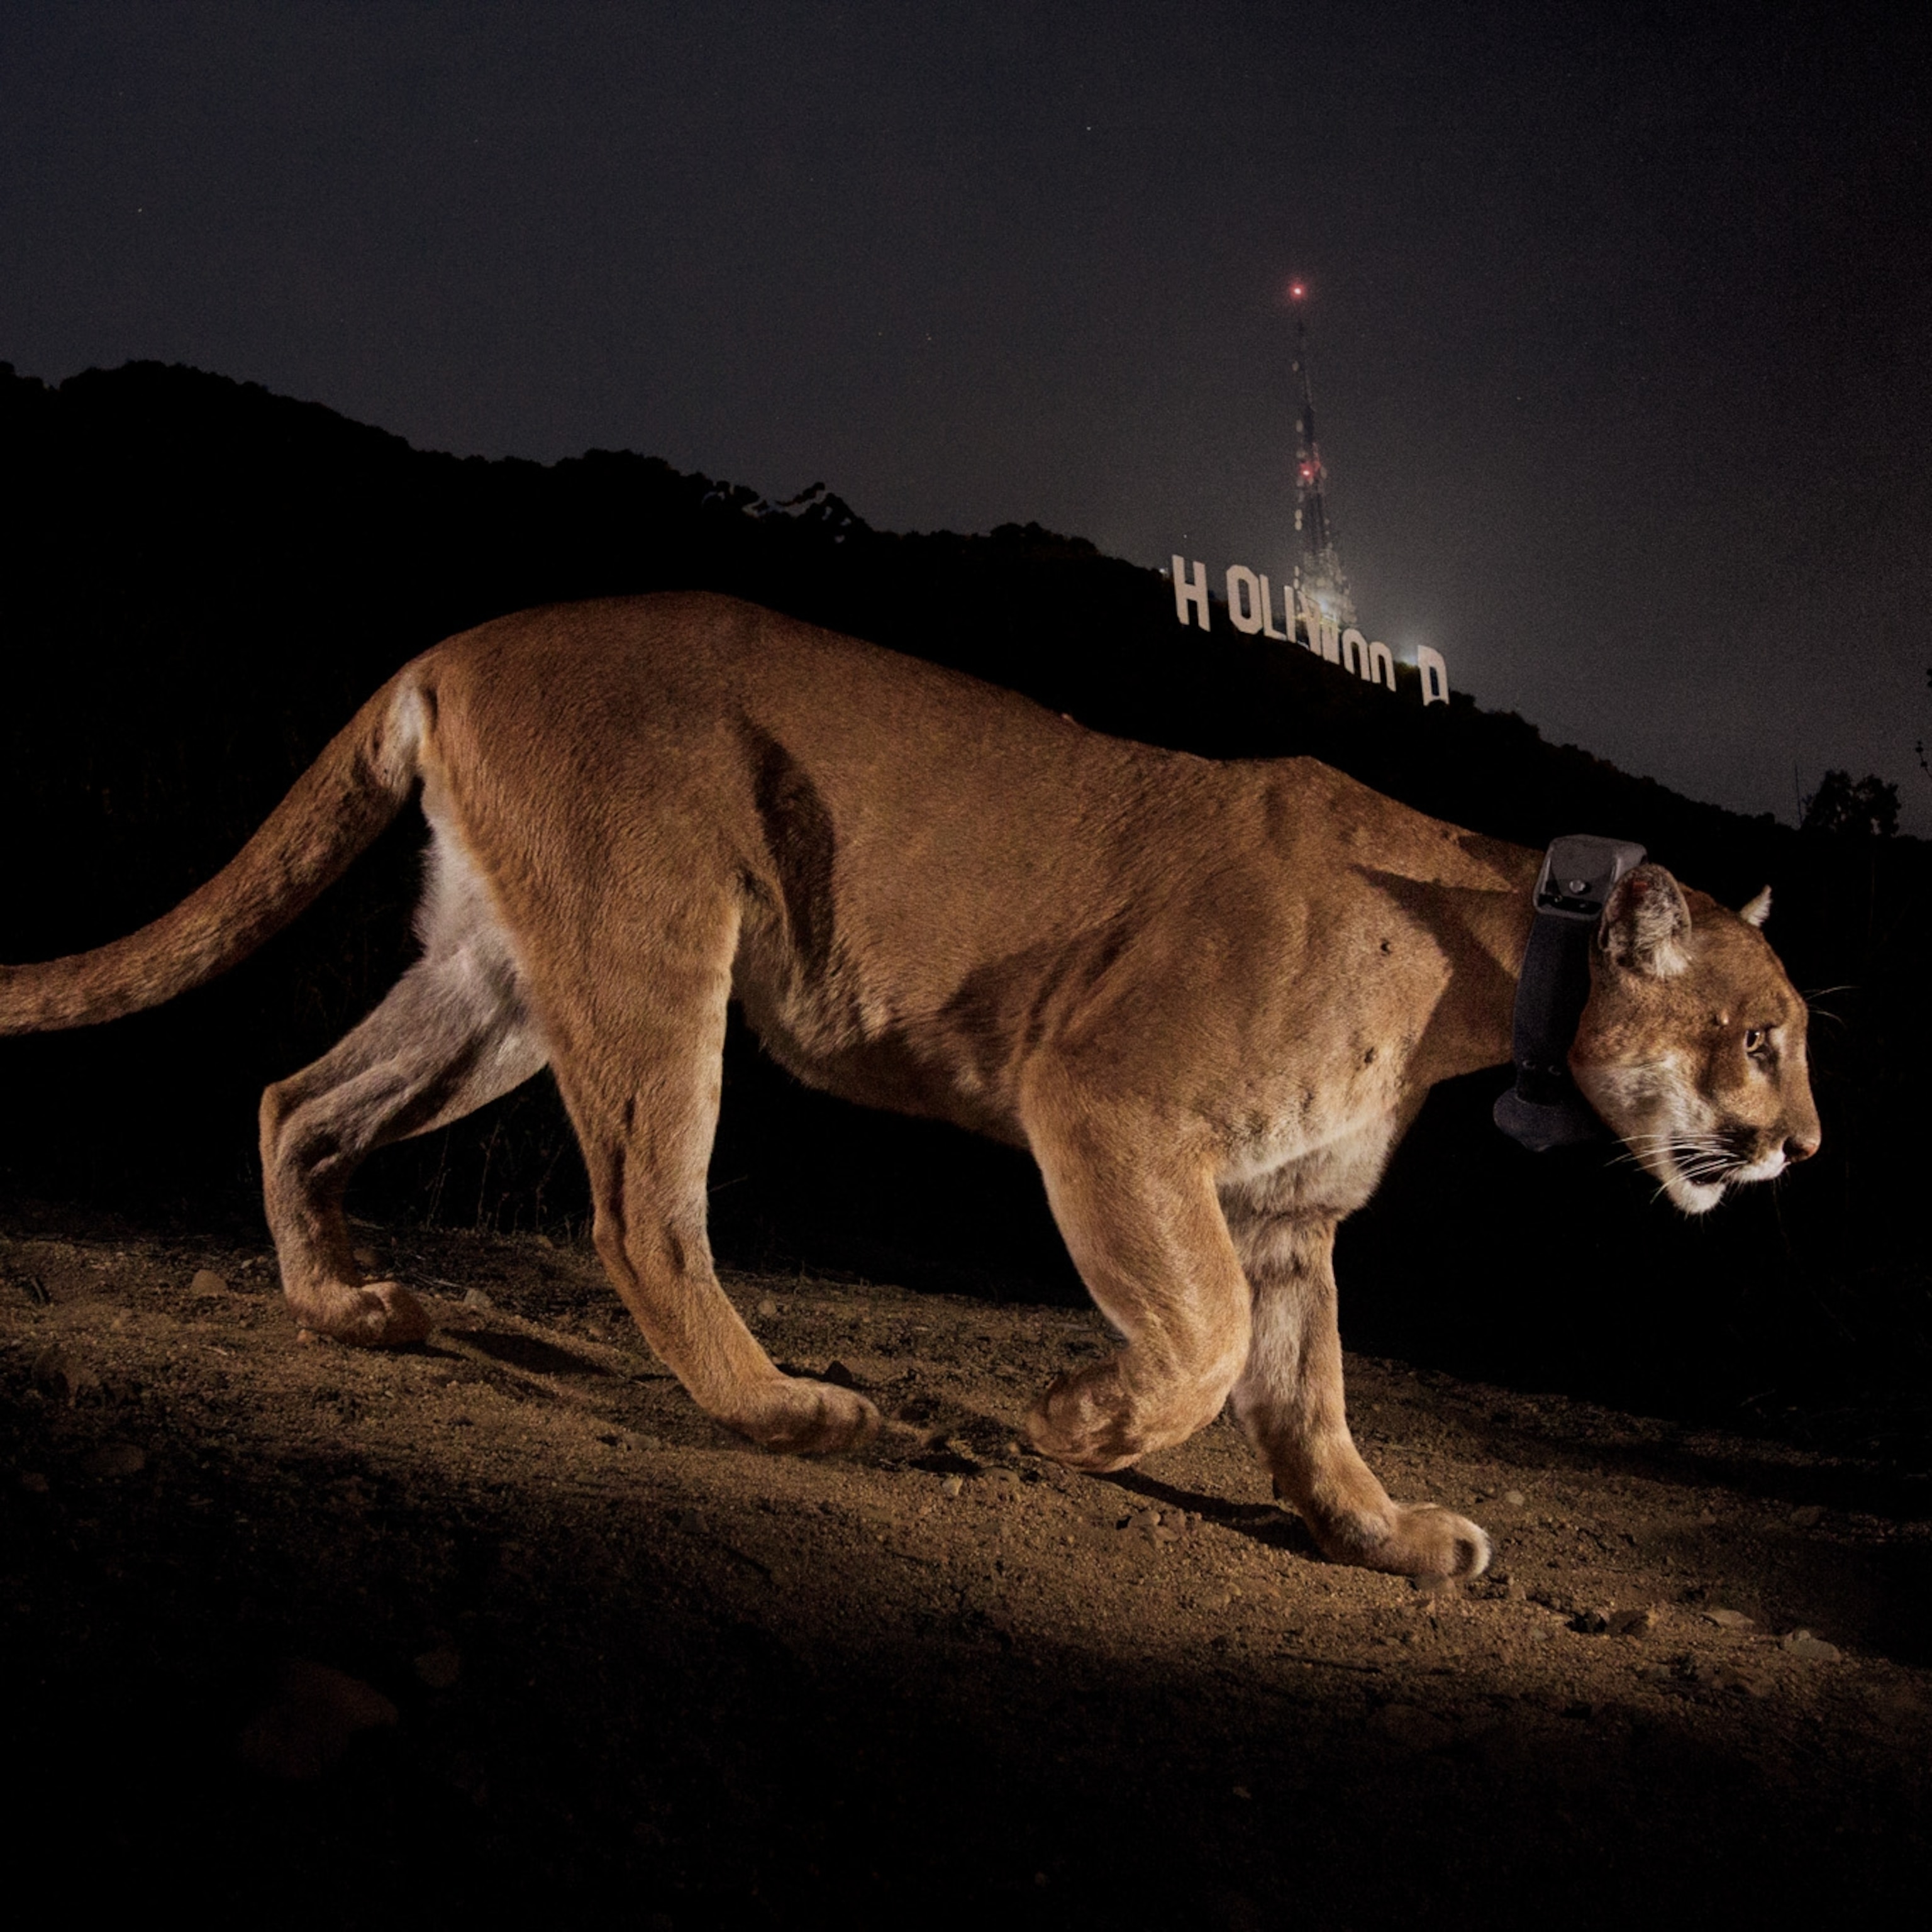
{"points": [[1298, 291]]}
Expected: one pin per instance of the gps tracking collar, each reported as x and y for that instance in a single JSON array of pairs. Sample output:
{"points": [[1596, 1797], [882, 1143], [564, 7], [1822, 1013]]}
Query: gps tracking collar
{"points": [[1543, 1109]]}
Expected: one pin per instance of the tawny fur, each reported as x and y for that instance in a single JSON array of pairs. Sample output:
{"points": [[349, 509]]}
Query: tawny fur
{"points": [[1208, 998]]}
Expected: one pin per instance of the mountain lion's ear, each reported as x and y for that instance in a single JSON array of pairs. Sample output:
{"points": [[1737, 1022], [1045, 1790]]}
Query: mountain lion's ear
{"points": [[1646, 922], [1759, 910]]}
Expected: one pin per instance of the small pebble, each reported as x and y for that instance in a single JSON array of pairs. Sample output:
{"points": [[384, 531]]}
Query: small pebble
{"points": [[1242, 1791], [439, 1670], [1410, 1727], [1633, 1623], [114, 1459], [475, 1298], [1808, 1515], [306, 1727], [1729, 1619], [951, 1486], [1709, 1675], [1896, 1703], [1515, 1499], [207, 1281], [59, 1371], [1812, 1649], [768, 1306]]}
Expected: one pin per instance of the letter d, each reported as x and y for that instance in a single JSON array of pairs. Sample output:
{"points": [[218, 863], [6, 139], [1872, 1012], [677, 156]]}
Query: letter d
{"points": [[1434, 675]]}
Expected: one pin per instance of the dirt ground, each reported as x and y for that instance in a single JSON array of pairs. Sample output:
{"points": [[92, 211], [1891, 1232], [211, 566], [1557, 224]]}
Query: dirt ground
{"points": [[504, 1623]]}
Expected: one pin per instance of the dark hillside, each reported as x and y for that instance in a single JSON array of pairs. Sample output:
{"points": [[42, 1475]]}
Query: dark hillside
{"points": [[201, 581]]}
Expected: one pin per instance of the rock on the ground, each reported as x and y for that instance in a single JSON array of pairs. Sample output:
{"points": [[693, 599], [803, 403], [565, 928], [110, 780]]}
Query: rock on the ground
{"points": [[1813, 1649], [439, 1668], [59, 1371], [114, 1459], [307, 1726]]}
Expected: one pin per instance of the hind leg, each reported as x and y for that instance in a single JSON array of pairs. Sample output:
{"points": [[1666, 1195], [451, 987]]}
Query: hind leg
{"points": [[451, 1035], [641, 1075]]}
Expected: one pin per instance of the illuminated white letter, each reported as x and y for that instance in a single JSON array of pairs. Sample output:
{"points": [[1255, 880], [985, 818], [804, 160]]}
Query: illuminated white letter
{"points": [[1434, 675], [1355, 651], [1244, 600], [1267, 616], [1186, 593], [1323, 638], [1382, 665]]}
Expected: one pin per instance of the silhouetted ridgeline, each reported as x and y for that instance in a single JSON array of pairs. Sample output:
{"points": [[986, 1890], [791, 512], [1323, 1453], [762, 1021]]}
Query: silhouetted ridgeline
{"points": [[202, 580]]}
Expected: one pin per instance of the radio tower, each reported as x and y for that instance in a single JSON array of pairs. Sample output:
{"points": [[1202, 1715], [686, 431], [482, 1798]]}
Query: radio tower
{"points": [[1318, 575]]}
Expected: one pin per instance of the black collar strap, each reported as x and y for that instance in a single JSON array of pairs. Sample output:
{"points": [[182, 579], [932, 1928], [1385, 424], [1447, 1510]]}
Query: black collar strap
{"points": [[1543, 1109]]}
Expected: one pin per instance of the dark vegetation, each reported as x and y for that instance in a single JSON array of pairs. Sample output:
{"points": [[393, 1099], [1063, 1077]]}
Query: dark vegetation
{"points": [[202, 580]]}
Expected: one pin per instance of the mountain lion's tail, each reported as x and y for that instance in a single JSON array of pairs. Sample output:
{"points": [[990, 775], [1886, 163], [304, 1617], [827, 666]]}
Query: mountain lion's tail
{"points": [[336, 810]]}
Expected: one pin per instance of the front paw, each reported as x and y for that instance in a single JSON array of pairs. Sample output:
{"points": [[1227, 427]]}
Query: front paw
{"points": [[1408, 1540], [1084, 1421]]}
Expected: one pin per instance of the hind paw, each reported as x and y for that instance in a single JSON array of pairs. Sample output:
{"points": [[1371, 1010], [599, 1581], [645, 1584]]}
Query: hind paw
{"points": [[798, 1417], [384, 1314]]}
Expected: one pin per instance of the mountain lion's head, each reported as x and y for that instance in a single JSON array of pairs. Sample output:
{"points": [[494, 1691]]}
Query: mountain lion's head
{"points": [[1692, 1046]]}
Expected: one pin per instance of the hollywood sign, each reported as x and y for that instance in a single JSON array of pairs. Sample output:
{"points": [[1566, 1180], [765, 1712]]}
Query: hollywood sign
{"points": [[1251, 611]]}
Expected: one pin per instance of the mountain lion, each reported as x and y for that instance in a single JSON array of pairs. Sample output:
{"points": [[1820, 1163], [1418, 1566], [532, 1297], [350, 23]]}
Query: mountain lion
{"points": [[1208, 997]]}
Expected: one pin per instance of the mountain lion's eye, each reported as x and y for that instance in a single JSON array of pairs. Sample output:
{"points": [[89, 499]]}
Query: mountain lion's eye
{"points": [[1756, 1039]]}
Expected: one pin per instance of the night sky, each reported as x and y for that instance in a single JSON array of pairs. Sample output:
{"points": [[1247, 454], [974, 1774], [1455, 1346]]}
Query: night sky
{"points": [[1620, 327]]}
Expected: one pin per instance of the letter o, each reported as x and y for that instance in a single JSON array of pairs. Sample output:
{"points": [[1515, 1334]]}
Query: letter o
{"points": [[1244, 599]]}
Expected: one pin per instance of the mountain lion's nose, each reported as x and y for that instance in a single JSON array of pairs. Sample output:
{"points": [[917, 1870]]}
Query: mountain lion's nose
{"points": [[1801, 1147]]}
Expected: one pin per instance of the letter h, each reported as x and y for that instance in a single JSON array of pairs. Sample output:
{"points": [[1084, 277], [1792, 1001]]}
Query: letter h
{"points": [[1186, 593]]}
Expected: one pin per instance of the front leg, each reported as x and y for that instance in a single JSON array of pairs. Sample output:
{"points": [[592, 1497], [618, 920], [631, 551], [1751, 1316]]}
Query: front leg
{"points": [[1289, 1399], [1135, 1199]]}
